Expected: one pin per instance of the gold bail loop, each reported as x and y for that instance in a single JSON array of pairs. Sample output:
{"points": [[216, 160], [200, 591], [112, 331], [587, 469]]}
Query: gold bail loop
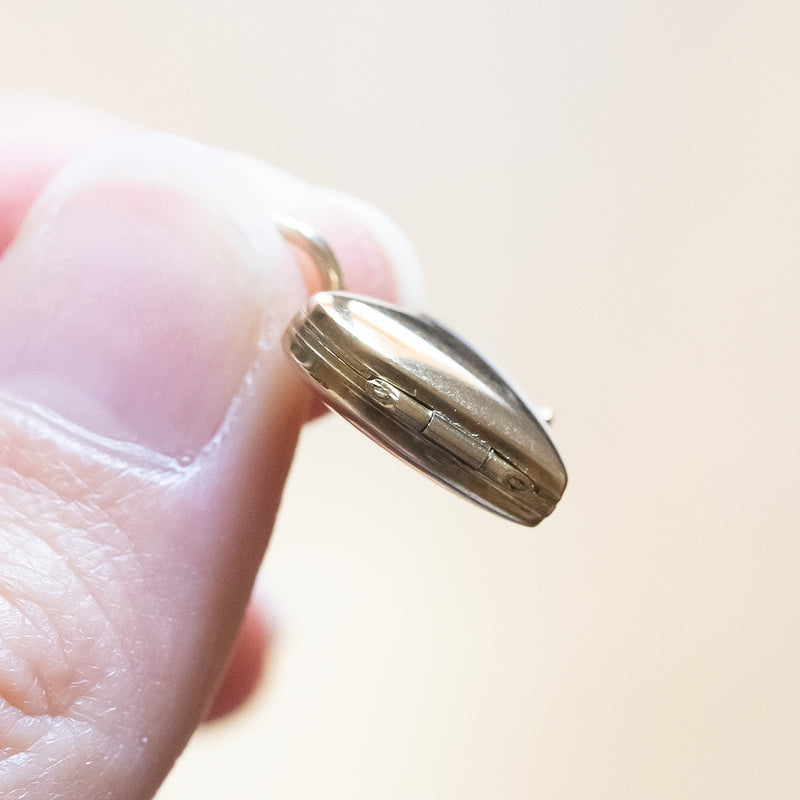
{"points": [[310, 242]]}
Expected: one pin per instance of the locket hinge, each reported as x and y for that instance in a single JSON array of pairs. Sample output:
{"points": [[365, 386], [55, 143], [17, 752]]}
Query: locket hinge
{"points": [[458, 442]]}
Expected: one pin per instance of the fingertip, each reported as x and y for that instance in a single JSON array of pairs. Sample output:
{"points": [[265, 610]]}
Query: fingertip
{"points": [[38, 135], [248, 662]]}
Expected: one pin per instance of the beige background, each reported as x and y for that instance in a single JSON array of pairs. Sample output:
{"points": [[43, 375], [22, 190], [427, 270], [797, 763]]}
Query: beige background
{"points": [[606, 196]]}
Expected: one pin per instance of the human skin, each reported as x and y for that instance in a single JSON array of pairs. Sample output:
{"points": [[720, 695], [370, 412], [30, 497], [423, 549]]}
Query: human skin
{"points": [[147, 421]]}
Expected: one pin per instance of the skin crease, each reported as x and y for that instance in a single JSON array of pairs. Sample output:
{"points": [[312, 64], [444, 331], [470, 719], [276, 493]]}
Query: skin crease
{"points": [[125, 571]]}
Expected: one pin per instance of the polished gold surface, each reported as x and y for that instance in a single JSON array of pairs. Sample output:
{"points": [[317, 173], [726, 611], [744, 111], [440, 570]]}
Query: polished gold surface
{"points": [[606, 195], [303, 235], [430, 399]]}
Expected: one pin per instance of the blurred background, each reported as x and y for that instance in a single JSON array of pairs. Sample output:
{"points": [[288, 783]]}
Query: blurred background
{"points": [[606, 198]]}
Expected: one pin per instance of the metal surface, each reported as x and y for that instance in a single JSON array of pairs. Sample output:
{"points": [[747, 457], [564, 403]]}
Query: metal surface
{"points": [[304, 236], [429, 398]]}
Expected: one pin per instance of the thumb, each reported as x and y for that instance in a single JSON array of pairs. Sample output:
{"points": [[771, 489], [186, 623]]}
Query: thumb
{"points": [[147, 421]]}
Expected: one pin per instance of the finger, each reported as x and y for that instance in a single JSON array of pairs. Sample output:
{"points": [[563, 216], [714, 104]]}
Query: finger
{"points": [[379, 262], [40, 135], [147, 420], [247, 663], [37, 137]]}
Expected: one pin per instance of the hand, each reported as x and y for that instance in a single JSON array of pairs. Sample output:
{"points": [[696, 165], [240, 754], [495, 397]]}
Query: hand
{"points": [[147, 421]]}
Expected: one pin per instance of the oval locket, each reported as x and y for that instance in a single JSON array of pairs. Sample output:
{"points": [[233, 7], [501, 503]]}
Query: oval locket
{"points": [[423, 394]]}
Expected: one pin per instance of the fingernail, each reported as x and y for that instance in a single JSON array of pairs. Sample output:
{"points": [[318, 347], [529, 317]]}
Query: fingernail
{"points": [[139, 291]]}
